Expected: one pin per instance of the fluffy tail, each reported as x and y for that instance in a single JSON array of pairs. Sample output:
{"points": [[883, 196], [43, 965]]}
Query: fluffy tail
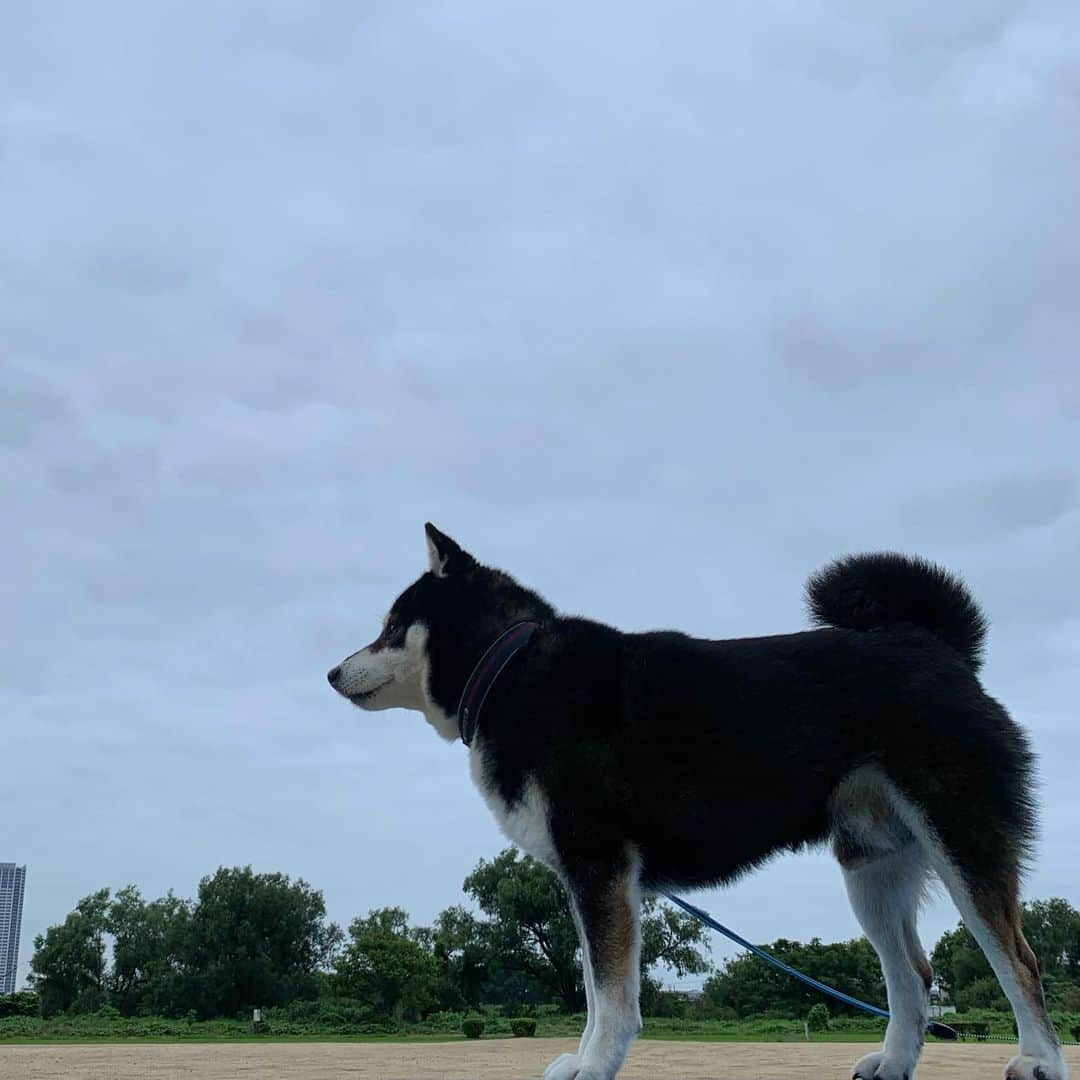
{"points": [[861, 592]]}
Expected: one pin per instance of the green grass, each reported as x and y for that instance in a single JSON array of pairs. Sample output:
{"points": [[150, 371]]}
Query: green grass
{"points": [[92, 1029], [166, 1040], [705, 1037], [445, 1027]]}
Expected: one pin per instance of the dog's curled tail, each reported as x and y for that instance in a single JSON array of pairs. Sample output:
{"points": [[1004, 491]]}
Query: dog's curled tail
{"points": [[861, 592]]}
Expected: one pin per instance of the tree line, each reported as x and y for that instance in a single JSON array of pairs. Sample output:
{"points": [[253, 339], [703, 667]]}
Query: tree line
{"points": [[746, 986], [262, 940]]}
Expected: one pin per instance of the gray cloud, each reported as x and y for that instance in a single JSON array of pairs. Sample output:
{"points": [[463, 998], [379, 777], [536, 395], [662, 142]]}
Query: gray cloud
{"points": [[660, 310]]}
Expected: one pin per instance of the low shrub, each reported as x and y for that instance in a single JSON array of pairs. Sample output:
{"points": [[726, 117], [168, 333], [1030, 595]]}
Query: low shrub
{"points": [[472, 1028], [817, 1019], [339, 1014], [20, 1027], [523, 1027], [772, 1027], [971, 1028], [21, 1003]]}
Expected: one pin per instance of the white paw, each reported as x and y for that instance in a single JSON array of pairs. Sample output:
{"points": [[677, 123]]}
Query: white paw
{"points": [[1026, 1067], [572, 1067], [564, 1067], [877, 1066]]}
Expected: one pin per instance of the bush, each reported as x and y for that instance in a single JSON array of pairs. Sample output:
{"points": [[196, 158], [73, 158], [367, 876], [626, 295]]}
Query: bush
{"points": [[772, 1027], [983, 993], [523, 1027], [817, 1019], [1075, 1029], [472, 1028], [21, 1003], [342, 1013], [969, 1028], [667, 1005]]}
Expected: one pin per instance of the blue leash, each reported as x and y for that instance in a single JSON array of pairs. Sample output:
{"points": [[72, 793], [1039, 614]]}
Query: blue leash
{"points": [[942, 1031]]}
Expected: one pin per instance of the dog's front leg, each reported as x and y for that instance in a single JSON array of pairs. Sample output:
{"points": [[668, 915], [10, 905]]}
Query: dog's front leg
{"points": [[570, 1064], [607, 909], [587, 976]]}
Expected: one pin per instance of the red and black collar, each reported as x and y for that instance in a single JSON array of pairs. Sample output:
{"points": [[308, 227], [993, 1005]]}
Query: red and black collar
{"points": [[499, 653]]}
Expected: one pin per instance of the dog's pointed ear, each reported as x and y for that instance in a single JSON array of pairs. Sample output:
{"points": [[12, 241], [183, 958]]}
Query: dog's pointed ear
{"points": [[446, 556]]}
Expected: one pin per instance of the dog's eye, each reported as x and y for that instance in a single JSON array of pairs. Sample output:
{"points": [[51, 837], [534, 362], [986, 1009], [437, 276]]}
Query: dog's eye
{"points": [[391, 627]]}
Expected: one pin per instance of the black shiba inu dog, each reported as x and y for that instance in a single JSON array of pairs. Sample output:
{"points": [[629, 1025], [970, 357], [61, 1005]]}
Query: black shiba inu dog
{"points": [[630, 762]]}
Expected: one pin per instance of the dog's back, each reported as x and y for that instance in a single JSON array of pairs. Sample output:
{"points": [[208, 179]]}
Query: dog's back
{"points": [[677, 738]]}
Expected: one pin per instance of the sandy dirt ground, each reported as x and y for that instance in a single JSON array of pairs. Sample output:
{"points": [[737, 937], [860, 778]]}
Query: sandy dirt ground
{"points": [[509, 1059]]}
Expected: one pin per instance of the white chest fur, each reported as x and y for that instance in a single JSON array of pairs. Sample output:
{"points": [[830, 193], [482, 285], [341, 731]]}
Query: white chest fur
{"points": [[526, 822]]}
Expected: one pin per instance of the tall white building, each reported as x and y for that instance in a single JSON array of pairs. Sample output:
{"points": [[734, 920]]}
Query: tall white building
{"points": [[12, 887]]}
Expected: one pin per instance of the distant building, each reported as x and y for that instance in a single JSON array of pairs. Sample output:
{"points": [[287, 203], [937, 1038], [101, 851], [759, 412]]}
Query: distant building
{"points": [[12, 887]]}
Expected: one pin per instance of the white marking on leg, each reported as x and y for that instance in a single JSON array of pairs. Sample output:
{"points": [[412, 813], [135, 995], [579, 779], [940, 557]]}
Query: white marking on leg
{"points": [[1039, 1051], [568, 1066], [588, 978], [885, 896], [614, 1015], [616, 993]]}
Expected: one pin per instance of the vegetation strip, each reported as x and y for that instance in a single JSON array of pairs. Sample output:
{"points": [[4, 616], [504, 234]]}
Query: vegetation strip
{"points": [[120, 968]]}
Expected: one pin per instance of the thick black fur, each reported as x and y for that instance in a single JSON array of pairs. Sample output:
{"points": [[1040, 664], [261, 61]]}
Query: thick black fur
{"points": [[866, 592], [709, 756]]}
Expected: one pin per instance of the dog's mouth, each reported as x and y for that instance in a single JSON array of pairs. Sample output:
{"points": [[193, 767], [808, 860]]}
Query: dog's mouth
{"points": [[361, 696]]}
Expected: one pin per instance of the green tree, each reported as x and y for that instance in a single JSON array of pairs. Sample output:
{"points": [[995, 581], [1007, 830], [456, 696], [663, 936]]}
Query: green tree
{"points": [[959, 963], [462, 957], [68, 966], [669, 938], [982, 993], [532, 942], [387, 966], [149, 951], [1052, 928], [254, 940], [748, 986], [529, 930]]}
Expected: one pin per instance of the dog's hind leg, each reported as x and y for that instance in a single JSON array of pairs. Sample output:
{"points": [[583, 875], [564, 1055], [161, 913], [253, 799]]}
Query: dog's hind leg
{"points": [[978, 858], [885, 871], [609, 914], [991, 911], [885, 893]]}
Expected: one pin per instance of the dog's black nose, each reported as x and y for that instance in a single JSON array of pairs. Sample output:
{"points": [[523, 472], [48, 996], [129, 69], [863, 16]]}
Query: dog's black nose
{"points": [[333, 676]]}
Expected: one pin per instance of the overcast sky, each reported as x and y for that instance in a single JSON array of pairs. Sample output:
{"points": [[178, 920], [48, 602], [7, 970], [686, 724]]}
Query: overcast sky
{"points": [[657, 306]]}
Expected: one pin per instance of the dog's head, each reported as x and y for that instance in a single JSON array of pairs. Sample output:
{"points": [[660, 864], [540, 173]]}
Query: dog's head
{"points": [[433, 635]]}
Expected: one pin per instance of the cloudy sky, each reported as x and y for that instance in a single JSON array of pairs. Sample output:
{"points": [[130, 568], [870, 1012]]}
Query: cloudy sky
{"points": [[657, 306]]}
